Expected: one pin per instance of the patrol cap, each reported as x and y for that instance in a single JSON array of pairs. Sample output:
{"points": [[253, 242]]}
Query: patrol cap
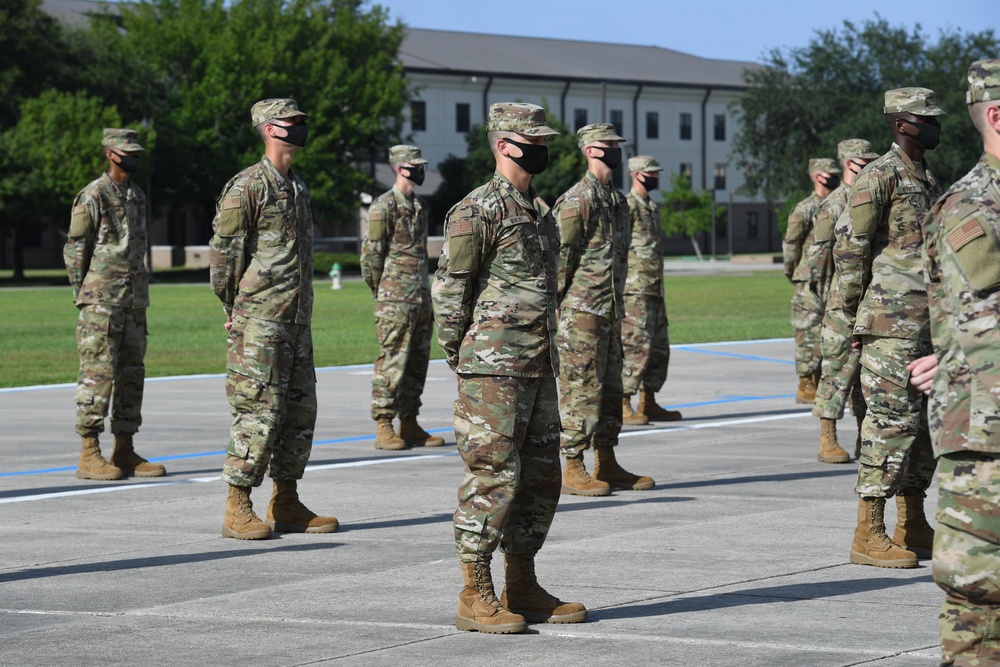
{"points": [[644, 163], [275, 108], [918, 101], [855, 148], [404, 153], [520, 117], [984, 81], [588, 134], [121, 139], [823, 164]]}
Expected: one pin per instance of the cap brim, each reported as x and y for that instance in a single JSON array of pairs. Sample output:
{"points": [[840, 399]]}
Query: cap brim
{"points": [[866, 156], [130, 148], [930, 111], [418, 160], [650, 170], [540, 131]]}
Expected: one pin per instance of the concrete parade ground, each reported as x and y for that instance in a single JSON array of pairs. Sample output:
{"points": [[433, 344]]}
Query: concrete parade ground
{"points": [[738, 557]]}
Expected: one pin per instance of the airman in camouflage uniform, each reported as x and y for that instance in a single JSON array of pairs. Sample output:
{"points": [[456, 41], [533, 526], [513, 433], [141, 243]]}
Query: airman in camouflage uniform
{"points": [[494, 304], [645, 344], [882, 285], [807, 306], [595, 228], [105, 257], [839, 377], [262, 266], [962, 261], [394, 264]]}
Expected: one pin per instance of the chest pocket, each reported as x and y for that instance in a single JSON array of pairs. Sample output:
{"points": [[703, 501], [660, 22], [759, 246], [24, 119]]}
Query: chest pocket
{"points": [[276, 226], [404, 227], [600, 232], [907, 218], [518, 249]]}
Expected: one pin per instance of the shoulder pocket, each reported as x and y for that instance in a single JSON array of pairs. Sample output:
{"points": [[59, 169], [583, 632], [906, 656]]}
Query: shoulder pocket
{"points": [[80, 221], [976, 252], [570, 224], [462, 246], [376, 225], [230, 217], [864, 214]]}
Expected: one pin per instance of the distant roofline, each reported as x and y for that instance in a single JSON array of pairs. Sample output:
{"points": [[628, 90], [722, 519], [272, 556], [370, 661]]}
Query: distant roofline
{"points": [[573, 79]]}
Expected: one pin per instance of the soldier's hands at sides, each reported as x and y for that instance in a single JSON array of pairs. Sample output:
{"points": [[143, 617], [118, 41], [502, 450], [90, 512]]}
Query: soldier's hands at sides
{"points": [[229, 323], [855, 342], [922, 372]]}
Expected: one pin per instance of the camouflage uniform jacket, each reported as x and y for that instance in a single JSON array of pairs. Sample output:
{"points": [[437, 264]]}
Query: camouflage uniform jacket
{"points": [[962, 261], [261, 253], [593, 253], [880, 267], [645, 252], [394, 252], [798, 237], [819, 256], [105, 251], [494, 290]]}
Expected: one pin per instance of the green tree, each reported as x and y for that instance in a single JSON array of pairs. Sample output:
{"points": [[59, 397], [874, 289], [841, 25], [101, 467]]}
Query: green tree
{"points": [[29, 46], [806, 100], [687, 212]]}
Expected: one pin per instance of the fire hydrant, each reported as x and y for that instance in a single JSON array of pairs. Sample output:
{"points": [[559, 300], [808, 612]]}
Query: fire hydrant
{"points": [[335, 276]]}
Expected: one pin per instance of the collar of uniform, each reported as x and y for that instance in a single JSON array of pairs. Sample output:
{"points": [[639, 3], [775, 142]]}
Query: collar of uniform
{"points": [[919, 170], [403, 199], [280, 181], [122, 189], [992, 161], [647, 200], [518, 196]]}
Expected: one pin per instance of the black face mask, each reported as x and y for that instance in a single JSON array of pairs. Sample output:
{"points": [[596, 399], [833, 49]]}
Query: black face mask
{"points": [[650, 183], [415, 174], [611, 157], [831, 183], [928, 134], [297, 133], [534, 157], [128, 163]]}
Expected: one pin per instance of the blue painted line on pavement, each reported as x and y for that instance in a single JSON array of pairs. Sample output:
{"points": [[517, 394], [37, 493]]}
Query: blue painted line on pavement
{"points": [[748, 357]]}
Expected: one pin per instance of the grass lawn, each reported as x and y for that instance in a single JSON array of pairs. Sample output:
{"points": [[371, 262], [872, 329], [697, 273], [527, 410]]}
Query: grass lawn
{"points": [[38, 345]]}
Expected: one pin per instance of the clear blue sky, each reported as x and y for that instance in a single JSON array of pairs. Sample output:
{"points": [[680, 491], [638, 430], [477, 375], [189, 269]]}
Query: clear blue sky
{"points": [[709, 28]]}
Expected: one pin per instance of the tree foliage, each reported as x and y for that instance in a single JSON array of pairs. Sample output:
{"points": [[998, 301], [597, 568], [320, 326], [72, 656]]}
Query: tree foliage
{"points": [[688, 213], [806, 100], [29, 41]]}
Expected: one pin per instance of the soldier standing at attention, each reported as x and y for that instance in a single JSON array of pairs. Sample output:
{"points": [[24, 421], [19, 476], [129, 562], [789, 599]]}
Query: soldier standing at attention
{"points": [[494, 304], [105, 257], [962, 263], [839, 373], [645, 344], [807, 309], [262, 266], [593, 261], [882, 285], [394, 264]]}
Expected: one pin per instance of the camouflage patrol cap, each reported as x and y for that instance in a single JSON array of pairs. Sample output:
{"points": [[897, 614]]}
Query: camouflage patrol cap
{"points": [[984, 81], [855, 148], [918, 101], [274, 108], [526, 119], [823, 164], [404, 153], [644, 163], [588, 134], [121, 139]]}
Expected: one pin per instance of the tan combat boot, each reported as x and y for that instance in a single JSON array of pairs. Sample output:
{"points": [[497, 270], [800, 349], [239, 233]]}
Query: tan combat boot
{"points": [[871, 545], [913, 533], [478, 607], [92, 465], [132, 464], [578, 482], [606, 469], [414, 436], [241, 523], [830, 450], [651, 409], [385, 437], [287, 514], [807, 390], [629, 416], [523, 595]]}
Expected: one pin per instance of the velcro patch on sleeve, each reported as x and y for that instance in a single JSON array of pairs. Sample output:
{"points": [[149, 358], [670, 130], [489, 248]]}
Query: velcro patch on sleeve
{"points": [[569, 212], [231, 202], [861, 197], [964, 234], [460, 227], [79, 208]]}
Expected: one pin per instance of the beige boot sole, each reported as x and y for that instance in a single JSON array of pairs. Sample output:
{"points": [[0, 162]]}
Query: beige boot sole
{"points": [[573, 491], [536, 617], [285, 527], [845, 458], [472, 625], [252, 535], [861, 559], [105, 477]]}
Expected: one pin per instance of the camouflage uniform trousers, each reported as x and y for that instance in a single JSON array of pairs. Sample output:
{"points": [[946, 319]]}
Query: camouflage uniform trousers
{"points": [[967, 558], [590, 381], [507, 430], [807, 321], [896, 456], [404, 338], [840, 377], [645, 345], [271, 385], [112, 344]]}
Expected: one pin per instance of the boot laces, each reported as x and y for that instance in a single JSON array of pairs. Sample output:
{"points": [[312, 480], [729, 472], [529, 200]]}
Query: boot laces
{"points": [[877, 524], [484, 586]]}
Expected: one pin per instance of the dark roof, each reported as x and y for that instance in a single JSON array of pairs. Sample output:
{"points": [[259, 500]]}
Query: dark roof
{"points": [[469, 53]]}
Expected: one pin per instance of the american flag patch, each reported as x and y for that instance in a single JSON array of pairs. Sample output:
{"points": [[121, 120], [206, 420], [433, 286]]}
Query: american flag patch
{"points": [[859, 198], [460, 227], [963, 235]]}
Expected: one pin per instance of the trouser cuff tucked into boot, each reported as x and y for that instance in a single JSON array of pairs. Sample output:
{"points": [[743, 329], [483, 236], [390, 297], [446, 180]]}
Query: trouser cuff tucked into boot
{"points": [[241, 522], [92, 464], [871, 545]]}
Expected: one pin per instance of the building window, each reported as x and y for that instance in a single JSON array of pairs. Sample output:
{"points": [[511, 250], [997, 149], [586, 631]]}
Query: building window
{"points": [[751, 224], [579, 118], [720, 127], [618, 120], [687, 171], [720, 177], [686, 126], [652, 125], [418, 116], [462, 114]]}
